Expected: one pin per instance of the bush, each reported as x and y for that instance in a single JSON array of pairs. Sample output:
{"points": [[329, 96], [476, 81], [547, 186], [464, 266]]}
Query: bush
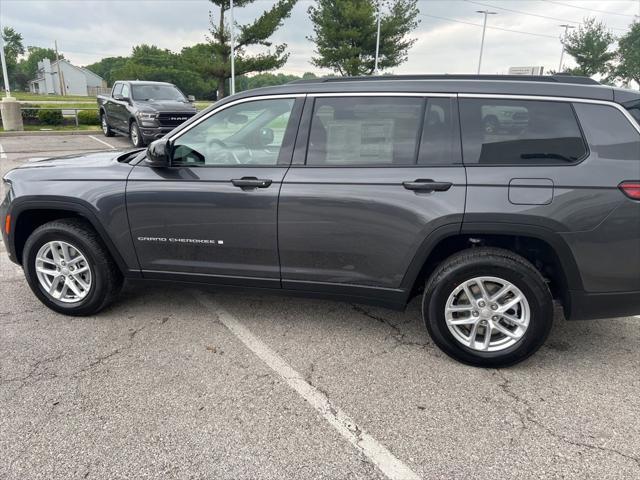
{"points": [[88, 117], [29, 114], [50, 117]]}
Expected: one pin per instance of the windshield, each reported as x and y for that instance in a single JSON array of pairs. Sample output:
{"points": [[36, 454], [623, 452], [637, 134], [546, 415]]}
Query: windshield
{"points": [[157, 92]]}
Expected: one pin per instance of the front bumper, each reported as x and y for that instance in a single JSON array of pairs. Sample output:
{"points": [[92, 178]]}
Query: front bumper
{"points": [[153, 133]]}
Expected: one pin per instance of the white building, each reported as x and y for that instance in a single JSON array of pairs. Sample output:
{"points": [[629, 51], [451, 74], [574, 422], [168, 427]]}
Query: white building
{"points": [[62, 78]]}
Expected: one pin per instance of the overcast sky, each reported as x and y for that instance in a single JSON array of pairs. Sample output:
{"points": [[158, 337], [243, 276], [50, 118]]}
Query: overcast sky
{"points": [[88, 30]]}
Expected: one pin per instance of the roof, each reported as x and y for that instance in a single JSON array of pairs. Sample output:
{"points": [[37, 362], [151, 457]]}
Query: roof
{"points": [[557, 86], [146, 82]]}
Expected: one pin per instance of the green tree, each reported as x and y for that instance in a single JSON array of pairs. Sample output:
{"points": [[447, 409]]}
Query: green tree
{"points": [[345, 34], [13, 48], [628, 55], [256, 33], [590, 46], [106, 67], [28, 67]]}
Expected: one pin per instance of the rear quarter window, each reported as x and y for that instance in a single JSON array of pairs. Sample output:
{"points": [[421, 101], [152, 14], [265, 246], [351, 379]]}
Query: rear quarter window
{"points": [[609, 132], [520, 132]]}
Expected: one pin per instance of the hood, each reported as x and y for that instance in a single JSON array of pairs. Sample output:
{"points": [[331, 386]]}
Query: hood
{"points": [[91, 166], [165, 106]]}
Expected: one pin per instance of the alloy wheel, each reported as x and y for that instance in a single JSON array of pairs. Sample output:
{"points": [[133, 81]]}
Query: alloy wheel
{"points": [[63, 272], [487, 314]]}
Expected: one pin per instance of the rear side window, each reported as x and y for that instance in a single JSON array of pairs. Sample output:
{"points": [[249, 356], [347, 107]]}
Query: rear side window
{"points": [[520, 132], [359, 131], [609, 132]]}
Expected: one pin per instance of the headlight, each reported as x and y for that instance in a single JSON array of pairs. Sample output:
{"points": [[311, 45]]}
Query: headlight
{"points": [[148, 116]]}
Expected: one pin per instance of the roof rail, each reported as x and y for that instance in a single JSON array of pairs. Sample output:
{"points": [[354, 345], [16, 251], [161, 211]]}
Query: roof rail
{"points": [[557, 78]]}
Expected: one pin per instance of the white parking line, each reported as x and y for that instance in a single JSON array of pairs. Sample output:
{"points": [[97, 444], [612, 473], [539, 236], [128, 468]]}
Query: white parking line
{"points": [[2, 154], [103, 142], [377, 453]]}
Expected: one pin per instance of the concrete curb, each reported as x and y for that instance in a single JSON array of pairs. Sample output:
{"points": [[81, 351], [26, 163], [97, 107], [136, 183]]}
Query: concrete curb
{"points": [[40, 133]]}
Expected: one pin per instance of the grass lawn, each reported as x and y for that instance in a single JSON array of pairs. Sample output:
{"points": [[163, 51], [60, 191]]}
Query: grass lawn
{"points": [[34, 97], [57, 128]]}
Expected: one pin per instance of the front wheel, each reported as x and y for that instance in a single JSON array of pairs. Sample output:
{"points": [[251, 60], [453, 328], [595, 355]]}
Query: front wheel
{"points": [[69, 269], [488, 307], [135, 135], [106, 129]]}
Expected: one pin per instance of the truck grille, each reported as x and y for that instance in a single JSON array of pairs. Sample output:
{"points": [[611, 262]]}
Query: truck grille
{"points": [[174, 119]]}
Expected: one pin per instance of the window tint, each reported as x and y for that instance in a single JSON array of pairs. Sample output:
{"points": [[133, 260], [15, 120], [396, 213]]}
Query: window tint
{"points": [[364, 131], [249, 133], [125, 91], [438, 134], [520, 132], [608, 131]]}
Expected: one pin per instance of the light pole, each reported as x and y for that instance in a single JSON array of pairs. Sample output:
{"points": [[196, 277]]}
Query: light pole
{"points": [[562, 39], [375, 68], [233, 42], [484, 29], [5, 77]]}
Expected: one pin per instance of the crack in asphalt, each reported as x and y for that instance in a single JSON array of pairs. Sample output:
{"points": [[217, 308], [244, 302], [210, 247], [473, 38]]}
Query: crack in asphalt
{"points": [[396, 334], [529, 416]]}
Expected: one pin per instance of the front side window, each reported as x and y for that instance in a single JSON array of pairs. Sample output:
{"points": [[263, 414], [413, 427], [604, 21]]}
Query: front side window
{"points": [[250, 133], [357, 131], [520, 132]]}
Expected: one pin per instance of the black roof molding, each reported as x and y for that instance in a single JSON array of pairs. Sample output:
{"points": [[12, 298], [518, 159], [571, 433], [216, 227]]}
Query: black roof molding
{"points": [[557, 78]]}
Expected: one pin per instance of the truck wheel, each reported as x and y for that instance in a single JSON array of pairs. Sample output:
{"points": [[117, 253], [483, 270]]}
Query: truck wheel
{"points": [[106, 129], [135, 135], [69, 269], [487, 307], [491, 125]]}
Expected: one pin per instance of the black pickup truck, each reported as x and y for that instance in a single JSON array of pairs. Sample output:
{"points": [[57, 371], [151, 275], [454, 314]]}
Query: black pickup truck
{"points": [[143, 110]]}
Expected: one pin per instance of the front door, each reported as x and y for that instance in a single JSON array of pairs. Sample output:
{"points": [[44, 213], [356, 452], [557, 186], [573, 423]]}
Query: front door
{"points": [[379, 176], [212, 215]]}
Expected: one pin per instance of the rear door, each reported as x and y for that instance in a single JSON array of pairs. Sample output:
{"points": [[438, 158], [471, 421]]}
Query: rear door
{"points": [[380, 175]]}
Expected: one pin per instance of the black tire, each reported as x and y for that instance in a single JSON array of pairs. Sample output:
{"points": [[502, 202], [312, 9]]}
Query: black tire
{"points": [[488, 262], [104, 122], [135, 136], [105, 276]]}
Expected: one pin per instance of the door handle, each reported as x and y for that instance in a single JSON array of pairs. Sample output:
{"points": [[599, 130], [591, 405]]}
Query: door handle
{"points": [[251, 182], [428, 185]]}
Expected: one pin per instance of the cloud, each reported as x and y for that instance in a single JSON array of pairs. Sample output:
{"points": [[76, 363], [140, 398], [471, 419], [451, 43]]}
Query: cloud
{"points": [[89, 30]]}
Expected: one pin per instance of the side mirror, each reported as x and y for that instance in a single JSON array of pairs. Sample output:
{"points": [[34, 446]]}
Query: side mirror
{"points": [[117, 96], [159, 153], [191, 98]]}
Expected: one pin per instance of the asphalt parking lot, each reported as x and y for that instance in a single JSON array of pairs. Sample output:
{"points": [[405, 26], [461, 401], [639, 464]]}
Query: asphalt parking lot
{"points": [[173, 382]]}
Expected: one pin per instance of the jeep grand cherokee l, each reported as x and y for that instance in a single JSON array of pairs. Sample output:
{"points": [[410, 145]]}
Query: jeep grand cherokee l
{"points": [[369, 190]]}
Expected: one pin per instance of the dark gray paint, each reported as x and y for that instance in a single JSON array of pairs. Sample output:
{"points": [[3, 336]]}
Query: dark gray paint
{"points": [[357, 232]]}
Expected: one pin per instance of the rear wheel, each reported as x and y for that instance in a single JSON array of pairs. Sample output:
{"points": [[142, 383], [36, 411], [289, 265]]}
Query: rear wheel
{"points": [[135, 135], [69, 269], [488, 307]]}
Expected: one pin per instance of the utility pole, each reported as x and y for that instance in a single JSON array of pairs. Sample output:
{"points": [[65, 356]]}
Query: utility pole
{"points": [[562, 39], [484, 29], [233, 44], [5, 76], [375, 68], [60, 82]]}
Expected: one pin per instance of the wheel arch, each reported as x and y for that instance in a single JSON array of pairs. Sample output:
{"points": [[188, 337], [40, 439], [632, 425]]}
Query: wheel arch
{"points": [[545, 249], [30, 214]]}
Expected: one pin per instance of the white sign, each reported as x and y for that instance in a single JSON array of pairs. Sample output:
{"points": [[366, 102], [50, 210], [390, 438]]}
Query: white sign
{"points": [[526, 70]]}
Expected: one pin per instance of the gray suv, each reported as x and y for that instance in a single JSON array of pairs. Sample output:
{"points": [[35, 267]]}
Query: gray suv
{"points": [[371, 190]]}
